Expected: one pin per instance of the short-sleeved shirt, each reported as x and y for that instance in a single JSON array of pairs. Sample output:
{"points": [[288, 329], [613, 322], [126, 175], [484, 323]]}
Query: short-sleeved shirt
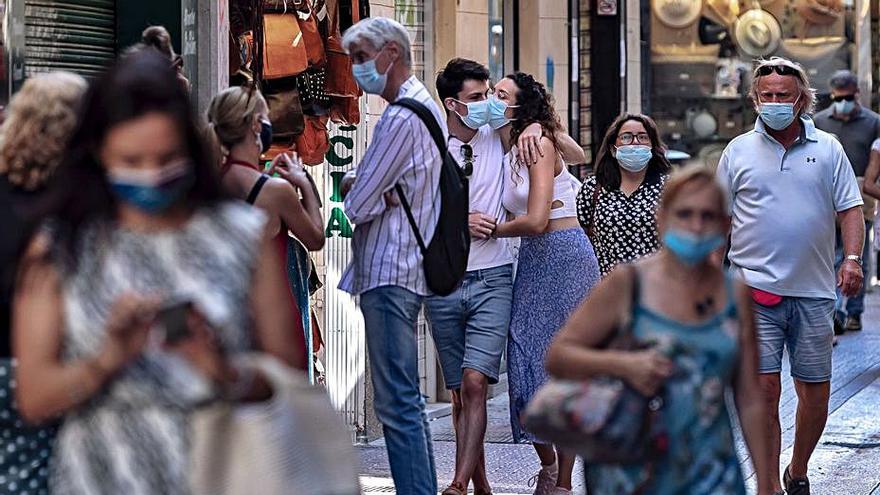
{"points": [[784, 204], [625, 226], [875, 146], [486, 186], [855, 134]]}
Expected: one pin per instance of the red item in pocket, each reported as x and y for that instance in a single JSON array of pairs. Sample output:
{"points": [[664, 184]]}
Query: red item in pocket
{"points": [[765, 298]]}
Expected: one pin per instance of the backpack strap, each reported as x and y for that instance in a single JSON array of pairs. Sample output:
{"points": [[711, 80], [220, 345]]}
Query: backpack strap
{"points": [[258, 186], [436, 132]]}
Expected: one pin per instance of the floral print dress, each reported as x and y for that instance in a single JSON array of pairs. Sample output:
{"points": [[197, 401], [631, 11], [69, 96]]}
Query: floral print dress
{"points": [[702, 458]]}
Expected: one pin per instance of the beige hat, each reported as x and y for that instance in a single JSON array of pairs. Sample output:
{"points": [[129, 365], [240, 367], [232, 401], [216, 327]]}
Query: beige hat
{"points": [[677, 13], [821, 12], [757, 33]]}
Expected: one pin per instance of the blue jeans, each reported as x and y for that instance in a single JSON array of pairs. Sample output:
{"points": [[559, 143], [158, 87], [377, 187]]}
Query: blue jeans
{"points": [[802, 324], [390, 316], [855, 305], [470, 325]]}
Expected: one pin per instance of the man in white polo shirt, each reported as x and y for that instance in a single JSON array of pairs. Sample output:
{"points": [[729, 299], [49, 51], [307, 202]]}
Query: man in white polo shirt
{"points": [[470, 325], [788, 182]]}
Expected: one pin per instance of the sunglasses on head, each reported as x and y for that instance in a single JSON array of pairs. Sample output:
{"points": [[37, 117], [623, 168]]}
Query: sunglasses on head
{"points": [[782, 70], [843, 98]]}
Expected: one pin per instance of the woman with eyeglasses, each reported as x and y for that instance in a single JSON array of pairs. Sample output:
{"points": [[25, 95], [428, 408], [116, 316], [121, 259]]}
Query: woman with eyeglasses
{"points": [[694, 333], [148, 284], [556, 267], [617, 205]]}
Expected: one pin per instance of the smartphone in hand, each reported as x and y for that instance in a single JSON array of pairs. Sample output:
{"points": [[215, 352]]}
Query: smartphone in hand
{"points": [[171, 318]]}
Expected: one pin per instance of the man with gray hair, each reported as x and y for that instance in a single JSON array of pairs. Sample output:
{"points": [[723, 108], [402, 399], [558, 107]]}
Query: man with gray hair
{"points": [[856, 127], [787, 182], [386, 268]]}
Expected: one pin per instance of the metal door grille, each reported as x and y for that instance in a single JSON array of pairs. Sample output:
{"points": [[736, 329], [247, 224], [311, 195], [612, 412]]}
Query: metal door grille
{"points": [[74, 35]]}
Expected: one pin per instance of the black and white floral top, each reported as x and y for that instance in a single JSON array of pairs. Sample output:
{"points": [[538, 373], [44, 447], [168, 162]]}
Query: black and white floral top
{"points": [[626, 226]]}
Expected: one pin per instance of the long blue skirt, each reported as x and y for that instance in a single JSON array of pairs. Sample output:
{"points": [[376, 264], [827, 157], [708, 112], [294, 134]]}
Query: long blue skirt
{"points": [[555, 273]]}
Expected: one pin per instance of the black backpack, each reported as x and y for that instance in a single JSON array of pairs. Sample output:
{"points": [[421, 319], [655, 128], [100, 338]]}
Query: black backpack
{"points": [[446, 257]]}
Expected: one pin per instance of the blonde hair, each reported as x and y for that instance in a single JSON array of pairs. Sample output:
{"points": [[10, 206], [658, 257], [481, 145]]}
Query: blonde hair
{"points": [[692, 174], [39, 121], [808, 94], [231, 117]]}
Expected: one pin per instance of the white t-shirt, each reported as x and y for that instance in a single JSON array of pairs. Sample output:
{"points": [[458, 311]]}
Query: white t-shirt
{"points": [[784, 204], [486, 187]]}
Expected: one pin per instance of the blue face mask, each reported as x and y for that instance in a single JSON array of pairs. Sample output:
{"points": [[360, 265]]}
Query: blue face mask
{"points": [[497, 111], [152, 191], [477, 114], [633, 157], [777, 116], [844, 107], [265, 135], [690, 248], [368, 77]]}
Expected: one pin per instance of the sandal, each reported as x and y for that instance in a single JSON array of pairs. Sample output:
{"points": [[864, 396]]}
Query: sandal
{"points": [[455, 489]]}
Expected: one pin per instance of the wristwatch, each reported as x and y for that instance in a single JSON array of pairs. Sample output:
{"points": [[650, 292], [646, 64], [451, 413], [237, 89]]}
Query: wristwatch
{"points": [[856, 258]]}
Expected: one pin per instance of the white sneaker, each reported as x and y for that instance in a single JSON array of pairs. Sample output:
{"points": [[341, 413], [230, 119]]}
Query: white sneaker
{"points": [[545, 481]]}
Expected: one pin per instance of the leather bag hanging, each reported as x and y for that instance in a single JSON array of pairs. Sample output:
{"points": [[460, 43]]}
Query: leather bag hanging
{"points": [[314, 141], [340, 80], [284, 49], [286, 114], [345, 110], [308, 24]]}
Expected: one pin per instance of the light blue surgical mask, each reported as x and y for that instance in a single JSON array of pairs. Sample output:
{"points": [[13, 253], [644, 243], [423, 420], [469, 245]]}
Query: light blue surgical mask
{"points": [[497, 110], [691, 248], [633, 157], [368, 77], [152, 191], [844, 107], [477, 113], [777, 116]]}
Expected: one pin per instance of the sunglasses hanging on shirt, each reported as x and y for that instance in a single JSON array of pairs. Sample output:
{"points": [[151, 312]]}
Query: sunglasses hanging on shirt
{"points": [[467, 159]]}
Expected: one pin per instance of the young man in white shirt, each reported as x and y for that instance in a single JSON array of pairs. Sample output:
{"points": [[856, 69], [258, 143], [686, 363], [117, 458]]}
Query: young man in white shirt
{"points": [[470, 325]]}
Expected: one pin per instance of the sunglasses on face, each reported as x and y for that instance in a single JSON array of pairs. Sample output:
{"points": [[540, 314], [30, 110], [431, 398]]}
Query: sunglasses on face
{"points": [[782, 70], [628, 138], [467, 158], [843, 98]]}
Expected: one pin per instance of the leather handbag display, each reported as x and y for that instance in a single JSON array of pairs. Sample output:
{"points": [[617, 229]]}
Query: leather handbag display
{"points": [[340, 80], [314, 142], [285, 113], [292, 443], [284, 50], [308, 25], [601, 419]]}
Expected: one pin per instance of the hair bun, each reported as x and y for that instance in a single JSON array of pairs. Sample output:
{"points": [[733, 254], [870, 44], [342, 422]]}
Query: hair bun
{"points": [[159, 38]]}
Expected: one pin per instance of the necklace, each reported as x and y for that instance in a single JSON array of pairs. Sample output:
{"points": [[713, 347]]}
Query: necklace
{"points": [[702, 307], [242, 163]]}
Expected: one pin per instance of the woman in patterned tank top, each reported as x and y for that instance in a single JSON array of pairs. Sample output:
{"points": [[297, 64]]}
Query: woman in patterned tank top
{"points": [[145, 225]]}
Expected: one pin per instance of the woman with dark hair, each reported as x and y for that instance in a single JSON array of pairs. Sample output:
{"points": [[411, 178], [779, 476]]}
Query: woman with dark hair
{"points": [[617, 205], [146, 236], [557, 266]]}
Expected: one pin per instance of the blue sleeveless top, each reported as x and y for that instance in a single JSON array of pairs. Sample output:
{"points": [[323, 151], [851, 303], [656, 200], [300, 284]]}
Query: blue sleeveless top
{"points": [[702, 457]]}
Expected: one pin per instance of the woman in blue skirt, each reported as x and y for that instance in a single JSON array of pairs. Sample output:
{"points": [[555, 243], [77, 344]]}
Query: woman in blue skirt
{"points": [[557, 266]]}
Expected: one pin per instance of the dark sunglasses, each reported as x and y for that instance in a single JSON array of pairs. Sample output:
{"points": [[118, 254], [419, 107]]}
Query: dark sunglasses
{"points": [[843, 98], [467, 156], [782, 70]]}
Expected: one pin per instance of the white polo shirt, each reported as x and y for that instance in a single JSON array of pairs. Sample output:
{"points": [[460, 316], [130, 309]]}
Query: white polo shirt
{"points": [[486, 186], [784, 205]]}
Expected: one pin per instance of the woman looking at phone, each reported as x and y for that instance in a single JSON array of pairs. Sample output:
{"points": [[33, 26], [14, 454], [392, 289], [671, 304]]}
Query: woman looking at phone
{"points": [[146, 224]]}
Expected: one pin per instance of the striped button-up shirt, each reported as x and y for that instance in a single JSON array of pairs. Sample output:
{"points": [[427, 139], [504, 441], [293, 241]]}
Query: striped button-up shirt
{"points": [[384, 248]]}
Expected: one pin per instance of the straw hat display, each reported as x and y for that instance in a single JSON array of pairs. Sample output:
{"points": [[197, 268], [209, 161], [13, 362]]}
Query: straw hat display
{"points": [[821, 12], [757, 33], [677, 13]]}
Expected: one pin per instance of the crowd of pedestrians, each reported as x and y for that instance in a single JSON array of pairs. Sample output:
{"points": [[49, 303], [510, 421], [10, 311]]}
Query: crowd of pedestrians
{"points": [[129, 301]]}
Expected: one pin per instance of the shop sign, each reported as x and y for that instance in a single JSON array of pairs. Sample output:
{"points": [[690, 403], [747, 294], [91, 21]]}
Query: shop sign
{"points": [[606, 7], [339, 164]]}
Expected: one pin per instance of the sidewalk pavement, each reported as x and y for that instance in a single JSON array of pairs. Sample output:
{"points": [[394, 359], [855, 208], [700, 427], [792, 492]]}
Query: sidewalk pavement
{"points": [[846, 462]]}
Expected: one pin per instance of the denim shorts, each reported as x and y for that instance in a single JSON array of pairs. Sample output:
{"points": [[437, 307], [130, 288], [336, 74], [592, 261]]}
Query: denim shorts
{"points": [[805, 326], [470, 325]]}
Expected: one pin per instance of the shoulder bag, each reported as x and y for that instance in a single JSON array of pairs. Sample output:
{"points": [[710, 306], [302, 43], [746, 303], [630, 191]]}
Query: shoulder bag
{"points": [[292, 443], [601, 419]]}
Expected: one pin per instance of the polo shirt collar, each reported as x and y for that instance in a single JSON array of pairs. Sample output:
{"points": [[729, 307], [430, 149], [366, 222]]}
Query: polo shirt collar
{"points": [[808, 128]]}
